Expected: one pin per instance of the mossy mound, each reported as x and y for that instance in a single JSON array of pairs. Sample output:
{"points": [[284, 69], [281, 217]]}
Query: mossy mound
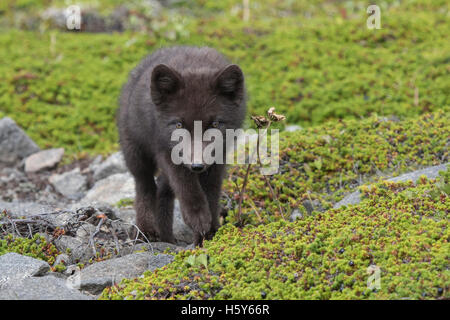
{"points": [[323, 163], [35, 247], [400, 228]]}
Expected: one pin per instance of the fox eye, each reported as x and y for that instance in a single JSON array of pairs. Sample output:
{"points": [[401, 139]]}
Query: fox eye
{"points": [[178, 125], [215, 124]]}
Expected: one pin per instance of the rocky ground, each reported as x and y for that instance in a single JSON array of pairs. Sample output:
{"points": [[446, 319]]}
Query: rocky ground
{"points": [[82, 209], [85, 210]]}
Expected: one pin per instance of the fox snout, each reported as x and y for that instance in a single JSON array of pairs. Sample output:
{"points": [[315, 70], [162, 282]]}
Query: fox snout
{"points": [[198, 167]]}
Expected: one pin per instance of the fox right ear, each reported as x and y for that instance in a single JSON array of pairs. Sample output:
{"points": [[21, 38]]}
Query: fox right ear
{"points": [[230, 83], [165, 82]]}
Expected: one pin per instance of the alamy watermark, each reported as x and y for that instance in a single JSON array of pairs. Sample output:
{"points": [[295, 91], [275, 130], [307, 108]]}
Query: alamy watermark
{"points": [[73, 17], [374, 20], [374, 280], [236, 146]]}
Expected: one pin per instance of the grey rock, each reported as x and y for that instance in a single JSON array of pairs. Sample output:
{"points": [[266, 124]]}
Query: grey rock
{"points": [[96, 277], [296, 214], [12, 174], [127, 215], [311, 206], [292, 128], [352, 198], [56, 17], [24, 209], [158, 247], [76, 249], [41, 288], [61, 219], [62, 259], [50, 213], [70, 184], [14, 267], [181, 231], [14, 142], [85, 231], [111, 190], [45, 159], [430, 173], [159, 261], [97, 161], [112, 165]]}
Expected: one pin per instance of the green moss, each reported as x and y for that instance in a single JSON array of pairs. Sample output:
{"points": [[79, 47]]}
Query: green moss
{"points": [[349, 152], [36, 247], [127, 202], [325, 256]]}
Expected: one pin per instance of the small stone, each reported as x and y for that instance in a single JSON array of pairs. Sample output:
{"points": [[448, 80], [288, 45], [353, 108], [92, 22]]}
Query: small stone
{"points": [[311, 206], [14, 142], [111, 190], [76, 249], [85, 231], [62, 259], [296, 214], [112, 165], [45, 159], [292, 128], [70, 184]]}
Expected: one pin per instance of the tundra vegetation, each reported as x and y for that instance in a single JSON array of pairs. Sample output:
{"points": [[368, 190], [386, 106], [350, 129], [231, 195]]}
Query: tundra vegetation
{"points": [[371, 103]]}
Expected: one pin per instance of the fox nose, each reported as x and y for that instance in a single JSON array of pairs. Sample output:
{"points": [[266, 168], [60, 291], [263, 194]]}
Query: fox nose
{"points": [[197, 167]]}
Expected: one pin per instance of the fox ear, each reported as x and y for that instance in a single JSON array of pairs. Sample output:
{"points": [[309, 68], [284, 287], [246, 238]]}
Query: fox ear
{"points": [[230, 83], [165, 82]]}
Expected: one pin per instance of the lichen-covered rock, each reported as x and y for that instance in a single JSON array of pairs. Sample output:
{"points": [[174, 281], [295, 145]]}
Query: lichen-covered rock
{"points": [[430, 172], [14, 142]]}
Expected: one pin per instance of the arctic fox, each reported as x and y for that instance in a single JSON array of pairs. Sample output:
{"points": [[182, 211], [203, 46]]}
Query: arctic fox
{"points": [[169, 90]]}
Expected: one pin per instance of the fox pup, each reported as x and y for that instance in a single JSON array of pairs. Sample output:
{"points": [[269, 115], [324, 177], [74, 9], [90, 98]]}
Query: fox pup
{"points": [[169, 90]]}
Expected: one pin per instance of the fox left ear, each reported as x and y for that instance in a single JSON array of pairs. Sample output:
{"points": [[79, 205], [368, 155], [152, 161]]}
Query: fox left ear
{"points": [[165, 82], [230, 83]]}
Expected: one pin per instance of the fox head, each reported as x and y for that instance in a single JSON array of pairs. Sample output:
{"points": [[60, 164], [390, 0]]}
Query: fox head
{"points": [[211, 99]]}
